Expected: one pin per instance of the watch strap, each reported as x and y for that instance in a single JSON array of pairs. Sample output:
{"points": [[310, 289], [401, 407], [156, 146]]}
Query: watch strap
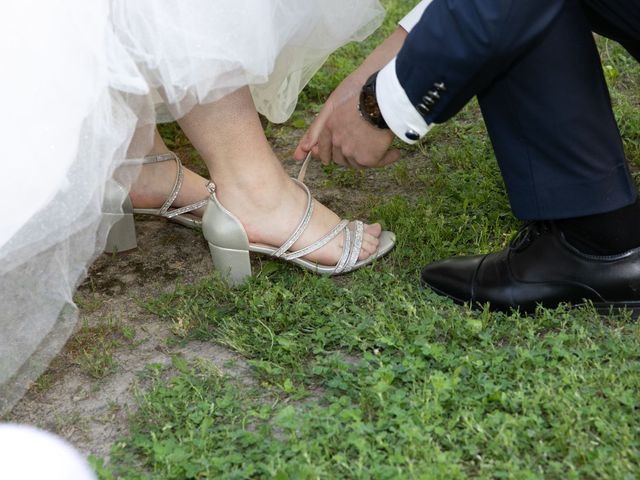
{"points": [[368, 104]]}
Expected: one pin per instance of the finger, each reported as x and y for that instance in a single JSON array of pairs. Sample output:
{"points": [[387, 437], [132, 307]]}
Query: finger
{"points": [[304, 147], [337, 157], [349, 155], [301, 152], [363, 159], [352, 161], [390, 157], [311, 136], [324, 147]]}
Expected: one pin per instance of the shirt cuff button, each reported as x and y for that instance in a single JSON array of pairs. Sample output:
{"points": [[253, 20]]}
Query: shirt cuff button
{"points": [[412, 135]]}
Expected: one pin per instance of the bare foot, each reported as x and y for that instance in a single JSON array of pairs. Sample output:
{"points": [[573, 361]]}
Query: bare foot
{"points": [[153, 186], [270, 212]]}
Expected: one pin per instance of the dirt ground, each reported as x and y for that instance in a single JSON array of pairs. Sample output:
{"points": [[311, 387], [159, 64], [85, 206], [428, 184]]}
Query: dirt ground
{"points": [[91, 411]]}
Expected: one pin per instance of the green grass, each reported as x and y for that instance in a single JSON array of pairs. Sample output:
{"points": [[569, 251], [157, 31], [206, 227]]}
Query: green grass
{"points": [[370, 376], [377, 379], [348, 58]]}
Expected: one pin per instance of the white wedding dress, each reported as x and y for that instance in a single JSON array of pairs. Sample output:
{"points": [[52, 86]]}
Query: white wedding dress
{"points": [[78, 77]]}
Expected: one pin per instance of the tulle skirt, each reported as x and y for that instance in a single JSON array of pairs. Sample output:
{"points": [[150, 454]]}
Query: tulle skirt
{"points": [[79, 77]]}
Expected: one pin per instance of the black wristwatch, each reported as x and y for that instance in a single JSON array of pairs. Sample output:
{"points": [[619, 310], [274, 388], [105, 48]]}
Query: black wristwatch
{"points": [[368, 105]]}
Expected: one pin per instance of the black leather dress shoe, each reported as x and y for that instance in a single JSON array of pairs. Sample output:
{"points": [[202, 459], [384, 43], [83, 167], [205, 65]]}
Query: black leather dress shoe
{"points": [[539, 268]]}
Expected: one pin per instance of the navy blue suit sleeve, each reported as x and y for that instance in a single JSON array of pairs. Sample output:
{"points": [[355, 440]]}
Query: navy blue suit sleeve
{"points": [[465, 44]]}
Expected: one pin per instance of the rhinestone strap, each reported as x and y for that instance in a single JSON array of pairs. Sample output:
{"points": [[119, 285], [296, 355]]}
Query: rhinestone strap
{"points": [[355, 248], [186, 209], [352, 244], [319, 243], [302, 226], [162, 157], [164, 210], [346, 248], [136, 162], [176, 188]]}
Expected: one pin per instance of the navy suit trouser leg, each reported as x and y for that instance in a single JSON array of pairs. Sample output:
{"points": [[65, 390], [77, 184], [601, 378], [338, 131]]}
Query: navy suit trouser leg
{"points": [[550, 120], [536, 72], [618, 20]]}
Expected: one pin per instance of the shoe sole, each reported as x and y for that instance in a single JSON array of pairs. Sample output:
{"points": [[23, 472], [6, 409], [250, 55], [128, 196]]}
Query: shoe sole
{"points": [[602, 308], [619, 308], [235, 265]]}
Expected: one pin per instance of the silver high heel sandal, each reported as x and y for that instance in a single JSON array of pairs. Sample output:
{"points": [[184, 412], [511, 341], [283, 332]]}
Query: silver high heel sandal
{"points": [[122, 235], [230, 246]]}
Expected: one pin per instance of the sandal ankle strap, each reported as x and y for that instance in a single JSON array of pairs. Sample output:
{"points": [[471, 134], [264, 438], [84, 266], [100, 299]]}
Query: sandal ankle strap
{"points": [[160, 157], [136, 162], [302, 225], [165, 211], [179, 178]]}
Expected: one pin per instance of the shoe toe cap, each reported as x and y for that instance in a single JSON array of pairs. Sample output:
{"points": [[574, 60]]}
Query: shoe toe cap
{"points": [[453, 277]]}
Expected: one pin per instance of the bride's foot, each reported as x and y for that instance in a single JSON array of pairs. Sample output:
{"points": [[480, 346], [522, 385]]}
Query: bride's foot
{"points": [[271, 211], [155, 182], [257, 207], [163, 188]]}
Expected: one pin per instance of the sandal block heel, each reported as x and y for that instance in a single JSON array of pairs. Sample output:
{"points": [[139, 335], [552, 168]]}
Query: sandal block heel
{"points": [[122, 235], [234, 265], [228, 242], [118, 214]]}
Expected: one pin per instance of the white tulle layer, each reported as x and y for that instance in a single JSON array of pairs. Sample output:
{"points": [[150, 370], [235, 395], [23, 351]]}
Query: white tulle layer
{"points": [[78, 77], [198, 50]]}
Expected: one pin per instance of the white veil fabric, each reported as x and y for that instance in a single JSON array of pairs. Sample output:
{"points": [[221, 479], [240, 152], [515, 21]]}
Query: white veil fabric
{"points": [[79, 76]]}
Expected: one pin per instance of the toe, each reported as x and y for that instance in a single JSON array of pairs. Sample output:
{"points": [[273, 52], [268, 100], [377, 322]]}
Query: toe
{"points": [[369, 246], [374, 229]]}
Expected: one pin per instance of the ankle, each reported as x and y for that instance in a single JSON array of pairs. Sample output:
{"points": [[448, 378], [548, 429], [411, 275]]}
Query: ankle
{"points": [[605, 233], [152, 184], [255, 191], [265, 209]]}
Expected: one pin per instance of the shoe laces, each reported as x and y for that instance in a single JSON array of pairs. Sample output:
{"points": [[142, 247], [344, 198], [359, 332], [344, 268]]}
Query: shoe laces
{"points": [[528, 234]]}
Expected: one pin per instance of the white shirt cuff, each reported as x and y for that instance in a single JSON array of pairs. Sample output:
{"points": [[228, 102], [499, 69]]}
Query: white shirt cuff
{"points": [[396, 108], [414, 16]]}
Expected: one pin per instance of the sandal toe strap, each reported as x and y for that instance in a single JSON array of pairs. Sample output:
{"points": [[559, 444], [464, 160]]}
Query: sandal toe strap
{"points": [[351, 249], [352, 241], [342, 262], [318, 244]]}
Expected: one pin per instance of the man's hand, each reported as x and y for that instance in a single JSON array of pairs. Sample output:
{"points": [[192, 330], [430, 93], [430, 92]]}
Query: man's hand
{"points": [[339, 134]]}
